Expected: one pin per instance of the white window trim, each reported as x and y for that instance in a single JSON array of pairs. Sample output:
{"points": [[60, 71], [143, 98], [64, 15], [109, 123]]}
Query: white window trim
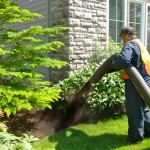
{"points": [[108, 19], [147, 5], [144, 17]]}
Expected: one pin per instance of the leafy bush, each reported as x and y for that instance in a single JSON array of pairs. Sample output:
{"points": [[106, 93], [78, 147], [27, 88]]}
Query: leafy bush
{"points": [[109, 92], [11, 142], [21, 53]]}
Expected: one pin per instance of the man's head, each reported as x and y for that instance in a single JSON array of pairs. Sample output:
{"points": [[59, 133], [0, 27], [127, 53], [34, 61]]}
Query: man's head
{"points": [[127, 34]]}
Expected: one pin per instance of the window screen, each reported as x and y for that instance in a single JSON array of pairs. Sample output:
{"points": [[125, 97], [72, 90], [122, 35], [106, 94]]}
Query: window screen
{"points": [[148, 28], [116, 18], [135, 17]]}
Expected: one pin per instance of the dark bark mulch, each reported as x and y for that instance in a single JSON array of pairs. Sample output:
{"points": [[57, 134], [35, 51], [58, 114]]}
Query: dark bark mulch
{"points": [[41, 123]]}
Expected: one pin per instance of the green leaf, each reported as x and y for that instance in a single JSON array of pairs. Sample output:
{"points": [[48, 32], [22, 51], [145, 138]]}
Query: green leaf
{"points": [[22, 53]]}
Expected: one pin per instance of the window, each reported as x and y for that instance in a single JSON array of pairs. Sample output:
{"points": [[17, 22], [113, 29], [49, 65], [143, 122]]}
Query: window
{"points": [[148, 28], [126, 12], [116, 18], [135, 17]]}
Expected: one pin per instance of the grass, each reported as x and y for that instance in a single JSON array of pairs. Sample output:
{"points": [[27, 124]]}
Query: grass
{"points": [[109, 134]]}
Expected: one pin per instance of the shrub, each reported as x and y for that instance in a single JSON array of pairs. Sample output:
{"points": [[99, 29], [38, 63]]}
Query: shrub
{"points": [[9, 141], [108, 93], [21, 53]]}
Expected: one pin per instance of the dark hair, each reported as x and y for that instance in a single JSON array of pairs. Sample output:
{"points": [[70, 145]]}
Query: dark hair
{"points": [[128, 30]]}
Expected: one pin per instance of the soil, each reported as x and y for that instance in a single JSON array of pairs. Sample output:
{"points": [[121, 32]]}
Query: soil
{"points": [[41, 123]]}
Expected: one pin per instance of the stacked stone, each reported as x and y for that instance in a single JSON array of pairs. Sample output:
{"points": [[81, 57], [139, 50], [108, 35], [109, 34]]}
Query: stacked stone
{"points": [[87, 21]]}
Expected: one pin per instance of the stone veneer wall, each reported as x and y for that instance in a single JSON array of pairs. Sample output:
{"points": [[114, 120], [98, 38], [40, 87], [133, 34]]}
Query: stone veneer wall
{"points": [[87, 23]]}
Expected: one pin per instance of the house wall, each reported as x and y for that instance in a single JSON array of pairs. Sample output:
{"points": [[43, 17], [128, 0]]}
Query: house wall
{"points": [[38, 6], [59, 16], [41, 7], [87, 25], [87, 22]]}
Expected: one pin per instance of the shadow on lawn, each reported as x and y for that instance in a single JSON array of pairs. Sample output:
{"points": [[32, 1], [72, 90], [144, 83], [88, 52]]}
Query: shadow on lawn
{"points": [[72, 139]]}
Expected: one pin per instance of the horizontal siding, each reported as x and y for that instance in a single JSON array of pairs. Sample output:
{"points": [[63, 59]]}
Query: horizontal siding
{"points": [[40, 7], [45, 72], [31, 4], [21, 26]]}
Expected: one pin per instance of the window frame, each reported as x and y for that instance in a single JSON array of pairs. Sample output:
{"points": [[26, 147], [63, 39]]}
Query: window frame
{"points": [[143, 23], [127, 15], [146, 19], [125, 20]]}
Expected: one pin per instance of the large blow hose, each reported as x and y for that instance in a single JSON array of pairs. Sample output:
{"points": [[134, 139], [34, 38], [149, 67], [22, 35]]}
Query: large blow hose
{"points": [[81, 95], [76, 101], [139, 83]]}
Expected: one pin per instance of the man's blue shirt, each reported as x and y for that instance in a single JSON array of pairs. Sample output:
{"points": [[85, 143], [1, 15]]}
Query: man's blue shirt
{"points": [[130, 54]]}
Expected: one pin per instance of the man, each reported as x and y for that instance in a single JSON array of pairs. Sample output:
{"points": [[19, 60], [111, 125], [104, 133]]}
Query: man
{"points": [[138, 115]]}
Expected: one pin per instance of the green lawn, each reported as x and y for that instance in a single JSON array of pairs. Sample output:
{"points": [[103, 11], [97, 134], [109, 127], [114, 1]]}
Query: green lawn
{"points": [[109, 134]]}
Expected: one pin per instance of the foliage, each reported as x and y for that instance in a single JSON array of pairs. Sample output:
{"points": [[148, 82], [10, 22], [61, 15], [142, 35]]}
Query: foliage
{"points": [[3, 127], [11, 142], [21, 53], [109, 92]]}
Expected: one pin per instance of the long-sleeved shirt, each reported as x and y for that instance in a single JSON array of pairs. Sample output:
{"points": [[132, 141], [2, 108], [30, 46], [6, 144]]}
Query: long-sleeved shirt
{"points": [[130, 54]]}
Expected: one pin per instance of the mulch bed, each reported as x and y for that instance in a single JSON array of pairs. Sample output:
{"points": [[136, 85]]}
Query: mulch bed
{"points": [[41, 123]]}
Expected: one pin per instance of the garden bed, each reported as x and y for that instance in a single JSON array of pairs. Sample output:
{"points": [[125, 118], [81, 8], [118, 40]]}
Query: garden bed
{"points": [[41, 123]]}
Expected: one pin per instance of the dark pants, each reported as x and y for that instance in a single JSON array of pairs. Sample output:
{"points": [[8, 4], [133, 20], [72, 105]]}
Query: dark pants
{"points": [[137, 113]]}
